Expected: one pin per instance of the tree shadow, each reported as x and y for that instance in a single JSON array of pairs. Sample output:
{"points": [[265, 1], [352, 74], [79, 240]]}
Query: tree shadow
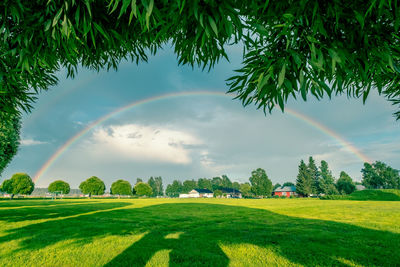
{"points": [[193, 233], [375, 195], [52, 210]]}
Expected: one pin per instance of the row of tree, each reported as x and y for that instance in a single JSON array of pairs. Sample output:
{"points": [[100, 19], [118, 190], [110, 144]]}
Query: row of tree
{"points": [[311, 180], [259, 185]]}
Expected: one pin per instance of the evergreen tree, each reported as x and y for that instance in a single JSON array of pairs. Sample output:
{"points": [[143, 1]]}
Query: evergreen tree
{"points": [[304, 183], [327, 182], [314, 174]]}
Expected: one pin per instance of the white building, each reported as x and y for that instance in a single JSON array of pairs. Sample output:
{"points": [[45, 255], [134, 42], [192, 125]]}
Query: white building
{"points": [[197, 193]]}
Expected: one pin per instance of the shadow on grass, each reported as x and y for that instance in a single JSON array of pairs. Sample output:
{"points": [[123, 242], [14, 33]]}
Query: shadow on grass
{"points": [[52, 210], [379, 195], [204, 227]]}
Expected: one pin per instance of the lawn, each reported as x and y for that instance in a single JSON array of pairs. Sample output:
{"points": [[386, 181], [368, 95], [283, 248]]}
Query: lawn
{"points": [[199, 232]]}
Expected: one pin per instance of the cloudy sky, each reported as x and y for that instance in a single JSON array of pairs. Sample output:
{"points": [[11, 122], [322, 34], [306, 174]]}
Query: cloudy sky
{"points": [[191, 135]]}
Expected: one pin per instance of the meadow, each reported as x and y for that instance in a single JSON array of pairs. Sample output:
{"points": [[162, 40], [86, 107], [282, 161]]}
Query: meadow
{"points": [[199, 232]]}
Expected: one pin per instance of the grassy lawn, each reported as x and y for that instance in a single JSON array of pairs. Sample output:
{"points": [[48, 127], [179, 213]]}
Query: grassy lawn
{"points": [[199, 232]]}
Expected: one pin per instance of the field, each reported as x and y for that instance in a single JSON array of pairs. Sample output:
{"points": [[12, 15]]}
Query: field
{"points": [[199, 232]]}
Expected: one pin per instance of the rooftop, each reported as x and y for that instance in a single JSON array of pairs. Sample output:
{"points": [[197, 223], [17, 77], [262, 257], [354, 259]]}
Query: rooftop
{"points": [[286, 189]]}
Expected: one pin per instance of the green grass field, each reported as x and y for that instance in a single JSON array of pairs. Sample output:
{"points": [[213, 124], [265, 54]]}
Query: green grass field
{"points": [[199, 232]]}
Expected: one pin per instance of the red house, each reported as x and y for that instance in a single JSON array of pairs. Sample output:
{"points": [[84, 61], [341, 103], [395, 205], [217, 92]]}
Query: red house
{"points": [[286, 191]]}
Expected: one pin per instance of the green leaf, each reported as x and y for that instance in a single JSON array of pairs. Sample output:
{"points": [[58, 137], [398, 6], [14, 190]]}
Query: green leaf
{"points": [[281, 76], [57, 17], [213, 25]]}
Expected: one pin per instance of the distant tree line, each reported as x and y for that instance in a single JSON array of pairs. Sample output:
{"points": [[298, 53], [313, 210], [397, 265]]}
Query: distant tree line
{"points": [[311, 180]]}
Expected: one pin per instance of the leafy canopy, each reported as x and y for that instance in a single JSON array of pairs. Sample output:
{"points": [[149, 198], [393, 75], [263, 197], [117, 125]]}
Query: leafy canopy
{"points": [[143, 189], [59, 186], [20, 183], [10, 126], [345, 184], [261, 185], [291, 48], [380, 175], [93, 186], [121, 187]]}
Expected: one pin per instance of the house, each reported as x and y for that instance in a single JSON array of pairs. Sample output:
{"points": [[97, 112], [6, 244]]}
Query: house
{"points": [[197, 193], [286, 191], [231, 193]]}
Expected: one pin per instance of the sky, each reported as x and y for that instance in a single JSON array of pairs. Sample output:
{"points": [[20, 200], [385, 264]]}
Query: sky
{"points": [[178, 133]]}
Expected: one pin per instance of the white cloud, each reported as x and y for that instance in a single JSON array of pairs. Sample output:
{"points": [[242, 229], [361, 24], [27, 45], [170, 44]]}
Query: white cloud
{"points": [[142, 143], [32, 142]]}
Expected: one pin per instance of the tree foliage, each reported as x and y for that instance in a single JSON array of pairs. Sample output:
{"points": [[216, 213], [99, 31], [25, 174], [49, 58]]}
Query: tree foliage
{"points": [[288, 184], [121, 187], [327, 181], [304, 182], [204, 183], [189, 185], [314, 175], [291, 48], [59, 186], [345, 184], [261, 185], [380, 175], [10, 126], [20, 183], [143, 189], [174, 189], [246, 189], [93, 186], [156, 185]]}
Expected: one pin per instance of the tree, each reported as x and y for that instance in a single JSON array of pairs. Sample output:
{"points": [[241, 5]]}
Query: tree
{"points": [[143, 189], [217, 193], [314, 174], [156, 185], [216, 183], [139, 180], [304, 182], [93, 186], [326, 182], [174, 189], [236, 185], [189, 185], [276, 186], [20, 183], [304, 56], [59, 186], [245, 189], [345, 184], [261, 185], [380, 175], [226, 182], [121, 187], [288, 184], [204, 183], [10, 126]]}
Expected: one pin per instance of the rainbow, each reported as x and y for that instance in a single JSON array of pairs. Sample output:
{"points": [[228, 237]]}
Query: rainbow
{"points": [[62, 149]]}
